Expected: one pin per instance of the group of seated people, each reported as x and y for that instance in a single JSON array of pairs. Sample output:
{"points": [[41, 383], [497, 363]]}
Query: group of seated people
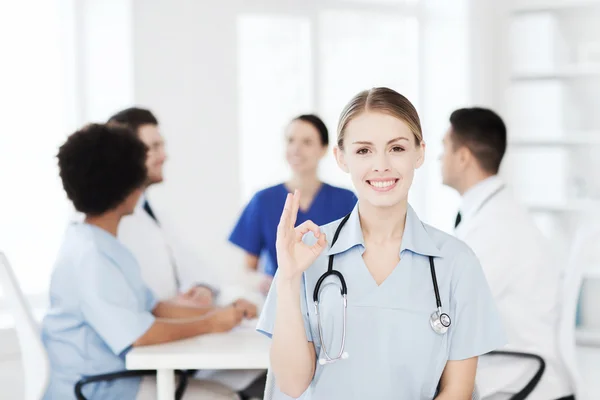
{"points": [[118, 282]]}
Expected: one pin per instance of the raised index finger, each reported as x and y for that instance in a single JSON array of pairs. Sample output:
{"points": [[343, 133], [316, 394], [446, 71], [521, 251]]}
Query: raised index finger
{"points": [[295, 208], [284, 221]]}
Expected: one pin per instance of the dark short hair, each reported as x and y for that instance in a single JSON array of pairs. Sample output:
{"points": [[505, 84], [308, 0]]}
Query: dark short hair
{"points": [[483, 132], [318, 124], [100, 165], [134, 117]]}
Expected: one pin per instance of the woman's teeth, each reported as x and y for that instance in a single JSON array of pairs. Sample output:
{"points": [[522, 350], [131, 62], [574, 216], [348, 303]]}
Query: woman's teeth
{"points": [[382, 184]]}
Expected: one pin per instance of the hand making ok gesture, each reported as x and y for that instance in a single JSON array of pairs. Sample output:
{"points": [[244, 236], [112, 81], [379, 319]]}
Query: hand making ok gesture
{"points": [[293, 255]]}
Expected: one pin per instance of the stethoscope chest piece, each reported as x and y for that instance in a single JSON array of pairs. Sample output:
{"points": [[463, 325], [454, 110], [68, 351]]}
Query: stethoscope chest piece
{"points": [[440, 322]]}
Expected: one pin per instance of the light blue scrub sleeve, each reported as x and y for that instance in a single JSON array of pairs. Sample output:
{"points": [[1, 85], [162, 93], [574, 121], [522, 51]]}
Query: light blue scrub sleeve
{"points": [[110, 305], [150, 301], [266, 321], [476, 324]]}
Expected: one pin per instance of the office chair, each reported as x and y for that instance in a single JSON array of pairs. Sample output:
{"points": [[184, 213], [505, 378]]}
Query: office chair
{"points": [[179, 392], [533, 382], [36, 366]]}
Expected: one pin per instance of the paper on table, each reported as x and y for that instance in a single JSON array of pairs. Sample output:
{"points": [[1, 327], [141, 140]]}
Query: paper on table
{"points": [[231, 293], [249, 323]]}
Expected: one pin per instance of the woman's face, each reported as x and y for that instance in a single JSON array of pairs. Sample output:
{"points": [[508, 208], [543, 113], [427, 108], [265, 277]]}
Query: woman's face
{"points": [[304, 149], [381, 155]]}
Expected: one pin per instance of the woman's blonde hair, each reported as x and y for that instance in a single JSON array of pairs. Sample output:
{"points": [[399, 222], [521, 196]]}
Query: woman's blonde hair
{"points": [[382, 100]]}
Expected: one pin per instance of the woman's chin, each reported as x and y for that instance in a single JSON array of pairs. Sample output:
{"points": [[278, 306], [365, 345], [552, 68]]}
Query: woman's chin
{"points": [[302, 169], [383, 200]]}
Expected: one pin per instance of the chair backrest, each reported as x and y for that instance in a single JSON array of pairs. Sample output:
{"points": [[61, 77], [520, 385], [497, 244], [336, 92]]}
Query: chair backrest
{"points": [[270, 388], [571, 288], [36, 366]]}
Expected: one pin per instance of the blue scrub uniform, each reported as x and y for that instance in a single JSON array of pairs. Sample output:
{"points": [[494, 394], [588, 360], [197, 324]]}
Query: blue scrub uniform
{"points": [[99, 306], [256, 230], [393, 351]]}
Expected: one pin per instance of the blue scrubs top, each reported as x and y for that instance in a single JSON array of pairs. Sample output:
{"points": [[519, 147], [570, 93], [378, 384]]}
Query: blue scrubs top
{"points": [[99, 306], [256, 229], [393, 353]]}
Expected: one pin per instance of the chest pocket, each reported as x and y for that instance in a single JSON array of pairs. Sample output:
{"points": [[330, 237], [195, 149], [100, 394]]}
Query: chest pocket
{"points": [[416, 350]]}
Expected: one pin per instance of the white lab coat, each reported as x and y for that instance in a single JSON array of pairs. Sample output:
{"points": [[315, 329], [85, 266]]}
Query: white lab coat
{"points": [[164, 263], [160, 266], [525, 281]]}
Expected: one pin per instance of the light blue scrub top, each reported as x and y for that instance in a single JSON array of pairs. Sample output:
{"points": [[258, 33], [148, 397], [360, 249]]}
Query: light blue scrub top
{"points": [[393, 351], [99, 306]]}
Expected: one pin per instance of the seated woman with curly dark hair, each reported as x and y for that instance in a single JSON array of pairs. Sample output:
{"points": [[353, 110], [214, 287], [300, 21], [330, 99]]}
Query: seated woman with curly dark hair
{"points": [[99, 305]]}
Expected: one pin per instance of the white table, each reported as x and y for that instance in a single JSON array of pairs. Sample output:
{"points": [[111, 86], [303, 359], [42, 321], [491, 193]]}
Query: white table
{"points": [[242, 348]]}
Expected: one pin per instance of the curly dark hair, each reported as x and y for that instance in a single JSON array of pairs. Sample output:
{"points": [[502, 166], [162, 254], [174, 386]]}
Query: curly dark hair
{"points": [[100, 165]]}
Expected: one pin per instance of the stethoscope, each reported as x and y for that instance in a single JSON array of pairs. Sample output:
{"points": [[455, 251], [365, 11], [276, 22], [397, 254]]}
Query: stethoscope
{"points": [[439, 321]]}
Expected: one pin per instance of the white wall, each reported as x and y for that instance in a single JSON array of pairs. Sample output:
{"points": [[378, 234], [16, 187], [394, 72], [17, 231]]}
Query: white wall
{"points": [[185, 70], [445, 85]]}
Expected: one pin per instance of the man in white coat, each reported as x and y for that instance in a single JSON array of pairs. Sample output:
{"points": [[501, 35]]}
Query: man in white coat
{"points": [[165, 267], [516, 259]]}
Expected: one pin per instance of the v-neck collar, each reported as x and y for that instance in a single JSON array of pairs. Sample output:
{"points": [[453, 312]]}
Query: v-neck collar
{"points": [[415, 238], [314, 200]]}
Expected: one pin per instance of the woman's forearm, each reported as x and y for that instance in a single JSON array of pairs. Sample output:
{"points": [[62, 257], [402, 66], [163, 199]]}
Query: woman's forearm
{"points": [[292, 355], [251, 261], [167, 309], [164, 332], [448, 395], [458, 380]]}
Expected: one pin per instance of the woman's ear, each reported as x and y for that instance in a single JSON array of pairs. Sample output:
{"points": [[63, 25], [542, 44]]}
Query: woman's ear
{"points": [[421, 155], [324, 151], [340, 158]]}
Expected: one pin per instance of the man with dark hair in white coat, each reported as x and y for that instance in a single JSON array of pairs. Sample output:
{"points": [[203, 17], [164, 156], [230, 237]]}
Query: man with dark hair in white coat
{"points": [[515, 257]]}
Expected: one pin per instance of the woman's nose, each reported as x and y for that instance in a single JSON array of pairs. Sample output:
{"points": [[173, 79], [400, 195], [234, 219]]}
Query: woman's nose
{"points": [[381, 163]]}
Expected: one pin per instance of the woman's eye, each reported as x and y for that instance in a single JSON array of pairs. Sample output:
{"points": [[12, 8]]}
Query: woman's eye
{"points": [[362, 151], [397, 149]]}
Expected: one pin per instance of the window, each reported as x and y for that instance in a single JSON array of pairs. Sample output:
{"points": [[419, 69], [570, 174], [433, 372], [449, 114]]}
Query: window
{"points": [[314, 61], [57, 72], [38, 91], [275, 85]]}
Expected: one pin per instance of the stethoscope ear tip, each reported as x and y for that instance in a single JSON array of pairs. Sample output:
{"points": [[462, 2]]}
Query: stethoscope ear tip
{"points": [[323, 361]]}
